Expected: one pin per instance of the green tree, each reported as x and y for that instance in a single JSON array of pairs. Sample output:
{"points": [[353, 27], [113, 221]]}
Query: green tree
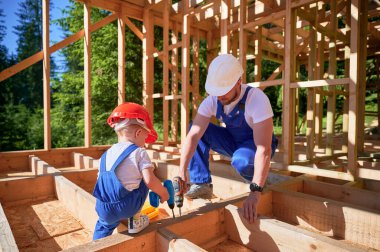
{"points": [[68, 107]]}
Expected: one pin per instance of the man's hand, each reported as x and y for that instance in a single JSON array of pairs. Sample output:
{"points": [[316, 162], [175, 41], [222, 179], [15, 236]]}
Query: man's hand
{"points": [[250, 206]]}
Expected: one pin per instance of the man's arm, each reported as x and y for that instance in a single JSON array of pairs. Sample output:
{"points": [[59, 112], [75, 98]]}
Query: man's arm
{"points": [[262, 134], [200, 124]]}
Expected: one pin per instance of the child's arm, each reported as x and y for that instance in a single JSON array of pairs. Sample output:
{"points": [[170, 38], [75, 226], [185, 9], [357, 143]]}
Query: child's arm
{"points": [[154, 184]]}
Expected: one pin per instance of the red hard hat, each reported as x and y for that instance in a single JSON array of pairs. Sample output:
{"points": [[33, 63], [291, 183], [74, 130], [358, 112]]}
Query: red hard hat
{"points": [[132, 110]]}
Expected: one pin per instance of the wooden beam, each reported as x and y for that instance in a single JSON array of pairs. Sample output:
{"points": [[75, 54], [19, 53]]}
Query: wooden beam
{"points": [[243, 38], [87, 75], [288, 102], [258, 53], [185, 75], [327, 216], [121, 57], [319, 83], [174, 84], [196, 98], [268, 234], [7, 240], [133, 28], [165, 84], [224, 35], [46, 73], [148, 62]]}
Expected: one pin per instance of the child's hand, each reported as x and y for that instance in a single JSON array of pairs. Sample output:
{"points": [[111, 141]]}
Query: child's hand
{"points": [[165, 196]]}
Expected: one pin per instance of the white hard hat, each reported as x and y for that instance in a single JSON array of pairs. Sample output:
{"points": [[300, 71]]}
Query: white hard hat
{"points": [[223, 73]]}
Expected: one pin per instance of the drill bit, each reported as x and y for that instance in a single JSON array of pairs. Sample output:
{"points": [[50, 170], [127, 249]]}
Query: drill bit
{"points": [[179, 211], [173, 213]]}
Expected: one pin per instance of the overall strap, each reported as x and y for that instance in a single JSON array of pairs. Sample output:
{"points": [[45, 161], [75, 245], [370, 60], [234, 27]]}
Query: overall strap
{"points": [[102, 167], [241, 104], [124, 155]]}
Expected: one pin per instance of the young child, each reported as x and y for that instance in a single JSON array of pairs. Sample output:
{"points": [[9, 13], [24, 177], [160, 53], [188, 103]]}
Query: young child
{"points": [[126, 172]]}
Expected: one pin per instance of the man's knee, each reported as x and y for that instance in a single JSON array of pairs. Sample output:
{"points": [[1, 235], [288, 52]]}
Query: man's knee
{"points": [[243, 166]]}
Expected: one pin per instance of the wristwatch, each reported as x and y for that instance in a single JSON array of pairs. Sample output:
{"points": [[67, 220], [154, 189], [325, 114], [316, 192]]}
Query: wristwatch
{"points": [[255, 187]]}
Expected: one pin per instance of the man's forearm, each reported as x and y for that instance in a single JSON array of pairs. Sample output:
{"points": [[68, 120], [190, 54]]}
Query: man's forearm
{"points": [[262, 164]]}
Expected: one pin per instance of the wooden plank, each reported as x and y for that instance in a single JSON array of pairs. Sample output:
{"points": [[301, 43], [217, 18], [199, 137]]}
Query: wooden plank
{"points": [[7, 241], [268, 234], [353, 88], [319, 83], [169, 241], [165, 84], [148, 62], [121, 57], [288, 106], [6, 73], [79, 202], [243, 38], [258, 53], [85, 179], [185, 82], [202, 228], [339, 193], [345, 221], [267, 83], [145, 242], [196, 98], [321, 172], [133, 28], [40, 167], [224, 35], [24, 190], [46, 73], [87, 75]]}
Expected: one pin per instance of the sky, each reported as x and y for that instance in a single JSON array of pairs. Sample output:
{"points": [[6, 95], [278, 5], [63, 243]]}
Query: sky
{"points": [[10, 8]]}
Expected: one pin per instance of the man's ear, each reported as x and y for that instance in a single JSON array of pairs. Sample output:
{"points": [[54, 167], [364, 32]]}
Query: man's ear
{"points": [[138, 132]]}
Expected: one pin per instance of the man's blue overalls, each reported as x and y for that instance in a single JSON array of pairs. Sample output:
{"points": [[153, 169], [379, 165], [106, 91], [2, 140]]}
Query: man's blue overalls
{"points": [[113, 201], [234, 141]]}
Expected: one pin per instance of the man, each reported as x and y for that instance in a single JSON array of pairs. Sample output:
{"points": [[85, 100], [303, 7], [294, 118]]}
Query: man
{"points": [[247, 137]]}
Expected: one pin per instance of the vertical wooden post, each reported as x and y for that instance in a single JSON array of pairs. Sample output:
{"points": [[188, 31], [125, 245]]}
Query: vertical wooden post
{"points": [[331, 100], [353, 86], [320, 72], [243, 38], [148, 60], [377, 65], [347, 54], [174, 107], [185, 73], [121, 56], [362, 33], [288, 102], [87, 75], [46, 73], [258, 53], [224, 35], [167, 5], [310, 131], [195, 73]]}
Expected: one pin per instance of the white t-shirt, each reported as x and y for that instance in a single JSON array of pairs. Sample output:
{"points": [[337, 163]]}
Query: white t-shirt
{"points": [[130, 169], [257, 106]]}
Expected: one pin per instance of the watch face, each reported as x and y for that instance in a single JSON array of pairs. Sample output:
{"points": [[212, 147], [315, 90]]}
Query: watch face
{"points": [[255, 187]]}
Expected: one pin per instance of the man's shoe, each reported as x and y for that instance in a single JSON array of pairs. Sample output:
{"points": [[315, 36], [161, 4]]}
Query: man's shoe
{"points": [[203, 191], [135, 225]]}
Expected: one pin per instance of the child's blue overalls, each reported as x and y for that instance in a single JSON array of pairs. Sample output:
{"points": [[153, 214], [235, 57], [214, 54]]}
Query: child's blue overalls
{"points": [[113, 201], [235, 141]]}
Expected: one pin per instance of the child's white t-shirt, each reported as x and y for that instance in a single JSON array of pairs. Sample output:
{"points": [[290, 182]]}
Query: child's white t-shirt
{"points": [[257, 106], [129, 171]]}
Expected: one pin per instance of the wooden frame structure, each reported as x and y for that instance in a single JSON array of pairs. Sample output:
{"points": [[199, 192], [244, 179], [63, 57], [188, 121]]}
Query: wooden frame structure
{"points": [[310, 34]]}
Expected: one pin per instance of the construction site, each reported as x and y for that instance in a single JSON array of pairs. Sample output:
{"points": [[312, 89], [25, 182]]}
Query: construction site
{"points": [[323, 188]]}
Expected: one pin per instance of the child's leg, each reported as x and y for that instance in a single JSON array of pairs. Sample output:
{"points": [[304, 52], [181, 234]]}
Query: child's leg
{"points": [[102, 229]]}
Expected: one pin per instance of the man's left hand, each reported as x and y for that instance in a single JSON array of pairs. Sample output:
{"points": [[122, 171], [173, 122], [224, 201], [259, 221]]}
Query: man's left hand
{"points": [[250, 206]]}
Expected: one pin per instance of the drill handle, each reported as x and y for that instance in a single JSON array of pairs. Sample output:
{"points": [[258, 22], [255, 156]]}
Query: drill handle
{"points": [[154, 199], [169, 186]]}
